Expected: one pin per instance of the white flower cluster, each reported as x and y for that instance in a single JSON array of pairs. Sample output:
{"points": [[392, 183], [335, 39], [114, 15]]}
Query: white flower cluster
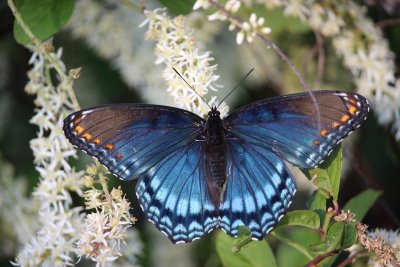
{"points": [[176, 48], [17, 212], [53, 243], [105, 228], [246, 29]]}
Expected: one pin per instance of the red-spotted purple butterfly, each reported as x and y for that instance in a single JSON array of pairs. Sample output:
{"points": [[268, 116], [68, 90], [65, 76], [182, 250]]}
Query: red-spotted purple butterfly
{"points": [[196, 175]]}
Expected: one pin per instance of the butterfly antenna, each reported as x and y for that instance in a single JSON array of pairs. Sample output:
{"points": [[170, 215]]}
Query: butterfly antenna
{"points": [[236, 87], [191, 87]]}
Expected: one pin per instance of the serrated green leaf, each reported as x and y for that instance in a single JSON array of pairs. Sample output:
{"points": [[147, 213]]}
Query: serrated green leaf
{"points": [[361, 203], [349, 235], [255, 254], [306, 218], [178, 7], [327, 176], [43, 17]]}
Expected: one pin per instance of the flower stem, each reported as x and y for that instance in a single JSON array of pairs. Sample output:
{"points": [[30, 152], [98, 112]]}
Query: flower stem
{"points": [[48, 55]]}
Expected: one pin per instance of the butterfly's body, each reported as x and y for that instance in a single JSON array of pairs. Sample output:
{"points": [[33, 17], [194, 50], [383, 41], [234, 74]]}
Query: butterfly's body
{"points": [[196, 175], [215, 146]]}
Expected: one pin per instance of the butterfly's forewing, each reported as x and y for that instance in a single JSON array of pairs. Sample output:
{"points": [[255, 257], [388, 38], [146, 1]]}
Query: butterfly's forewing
{"points": [[259, 189], [130, 138], [161, 144], [297, 128]]}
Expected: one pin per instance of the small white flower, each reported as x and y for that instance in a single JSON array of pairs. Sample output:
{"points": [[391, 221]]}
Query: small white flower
{"points": [[232, 5], [201, 4]]}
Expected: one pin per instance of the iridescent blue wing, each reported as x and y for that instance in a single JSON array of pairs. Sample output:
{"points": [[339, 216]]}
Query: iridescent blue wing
{"points": [[258, 190], [175, 196], [161, 145], [297, 128], [131, 138]]}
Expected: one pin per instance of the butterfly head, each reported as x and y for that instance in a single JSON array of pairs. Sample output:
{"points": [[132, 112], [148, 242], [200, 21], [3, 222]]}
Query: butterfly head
{"points": [[214, 113]]}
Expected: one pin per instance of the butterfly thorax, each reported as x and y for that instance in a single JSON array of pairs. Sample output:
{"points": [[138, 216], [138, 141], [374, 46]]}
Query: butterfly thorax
{"points": [[215, 144]]}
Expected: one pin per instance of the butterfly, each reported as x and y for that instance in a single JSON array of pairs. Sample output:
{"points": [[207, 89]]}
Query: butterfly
{"points": [[195, 175]]}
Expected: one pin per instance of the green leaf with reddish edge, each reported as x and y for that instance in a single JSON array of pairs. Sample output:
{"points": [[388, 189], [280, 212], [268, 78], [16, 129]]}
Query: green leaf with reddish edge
{"points": [[361, 203], [327, 176], [43, 17]]}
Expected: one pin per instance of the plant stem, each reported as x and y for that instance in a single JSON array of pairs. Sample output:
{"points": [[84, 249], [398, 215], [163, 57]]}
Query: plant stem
{"points": [[351, 258], [104, 185], [131, 5], [49, 56], [325, 226], [314, 262]]}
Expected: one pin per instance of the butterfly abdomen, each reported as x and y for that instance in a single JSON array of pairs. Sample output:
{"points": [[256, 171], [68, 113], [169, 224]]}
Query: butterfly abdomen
{"points": [[215, 146]]}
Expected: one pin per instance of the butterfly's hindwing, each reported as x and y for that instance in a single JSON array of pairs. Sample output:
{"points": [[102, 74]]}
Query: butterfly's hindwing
{"points": [[174, 195], [297, 128], [259, 189]]}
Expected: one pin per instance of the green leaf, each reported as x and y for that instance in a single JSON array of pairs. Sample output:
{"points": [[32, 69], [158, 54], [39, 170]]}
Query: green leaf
{"points": [[349, 235], [306, 218], [334, 235], [43, 17], [316, 201], [327, 176], [255, 254], [333, 239], [360, 204], [300, 240], [178, 7]]}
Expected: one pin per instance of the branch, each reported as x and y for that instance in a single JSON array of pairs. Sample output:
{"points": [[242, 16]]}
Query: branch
{"points": [[44, 51], [314, 262]]}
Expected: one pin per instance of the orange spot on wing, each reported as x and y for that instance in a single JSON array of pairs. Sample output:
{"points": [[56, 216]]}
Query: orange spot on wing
{"points": [[335, 124], [77, 120], [79, 129], [118, 156], [324, 132], [87, 136], [345, 118], [352, 110], [316, 142], [352, 101], [96, 141], [109, 146]]}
